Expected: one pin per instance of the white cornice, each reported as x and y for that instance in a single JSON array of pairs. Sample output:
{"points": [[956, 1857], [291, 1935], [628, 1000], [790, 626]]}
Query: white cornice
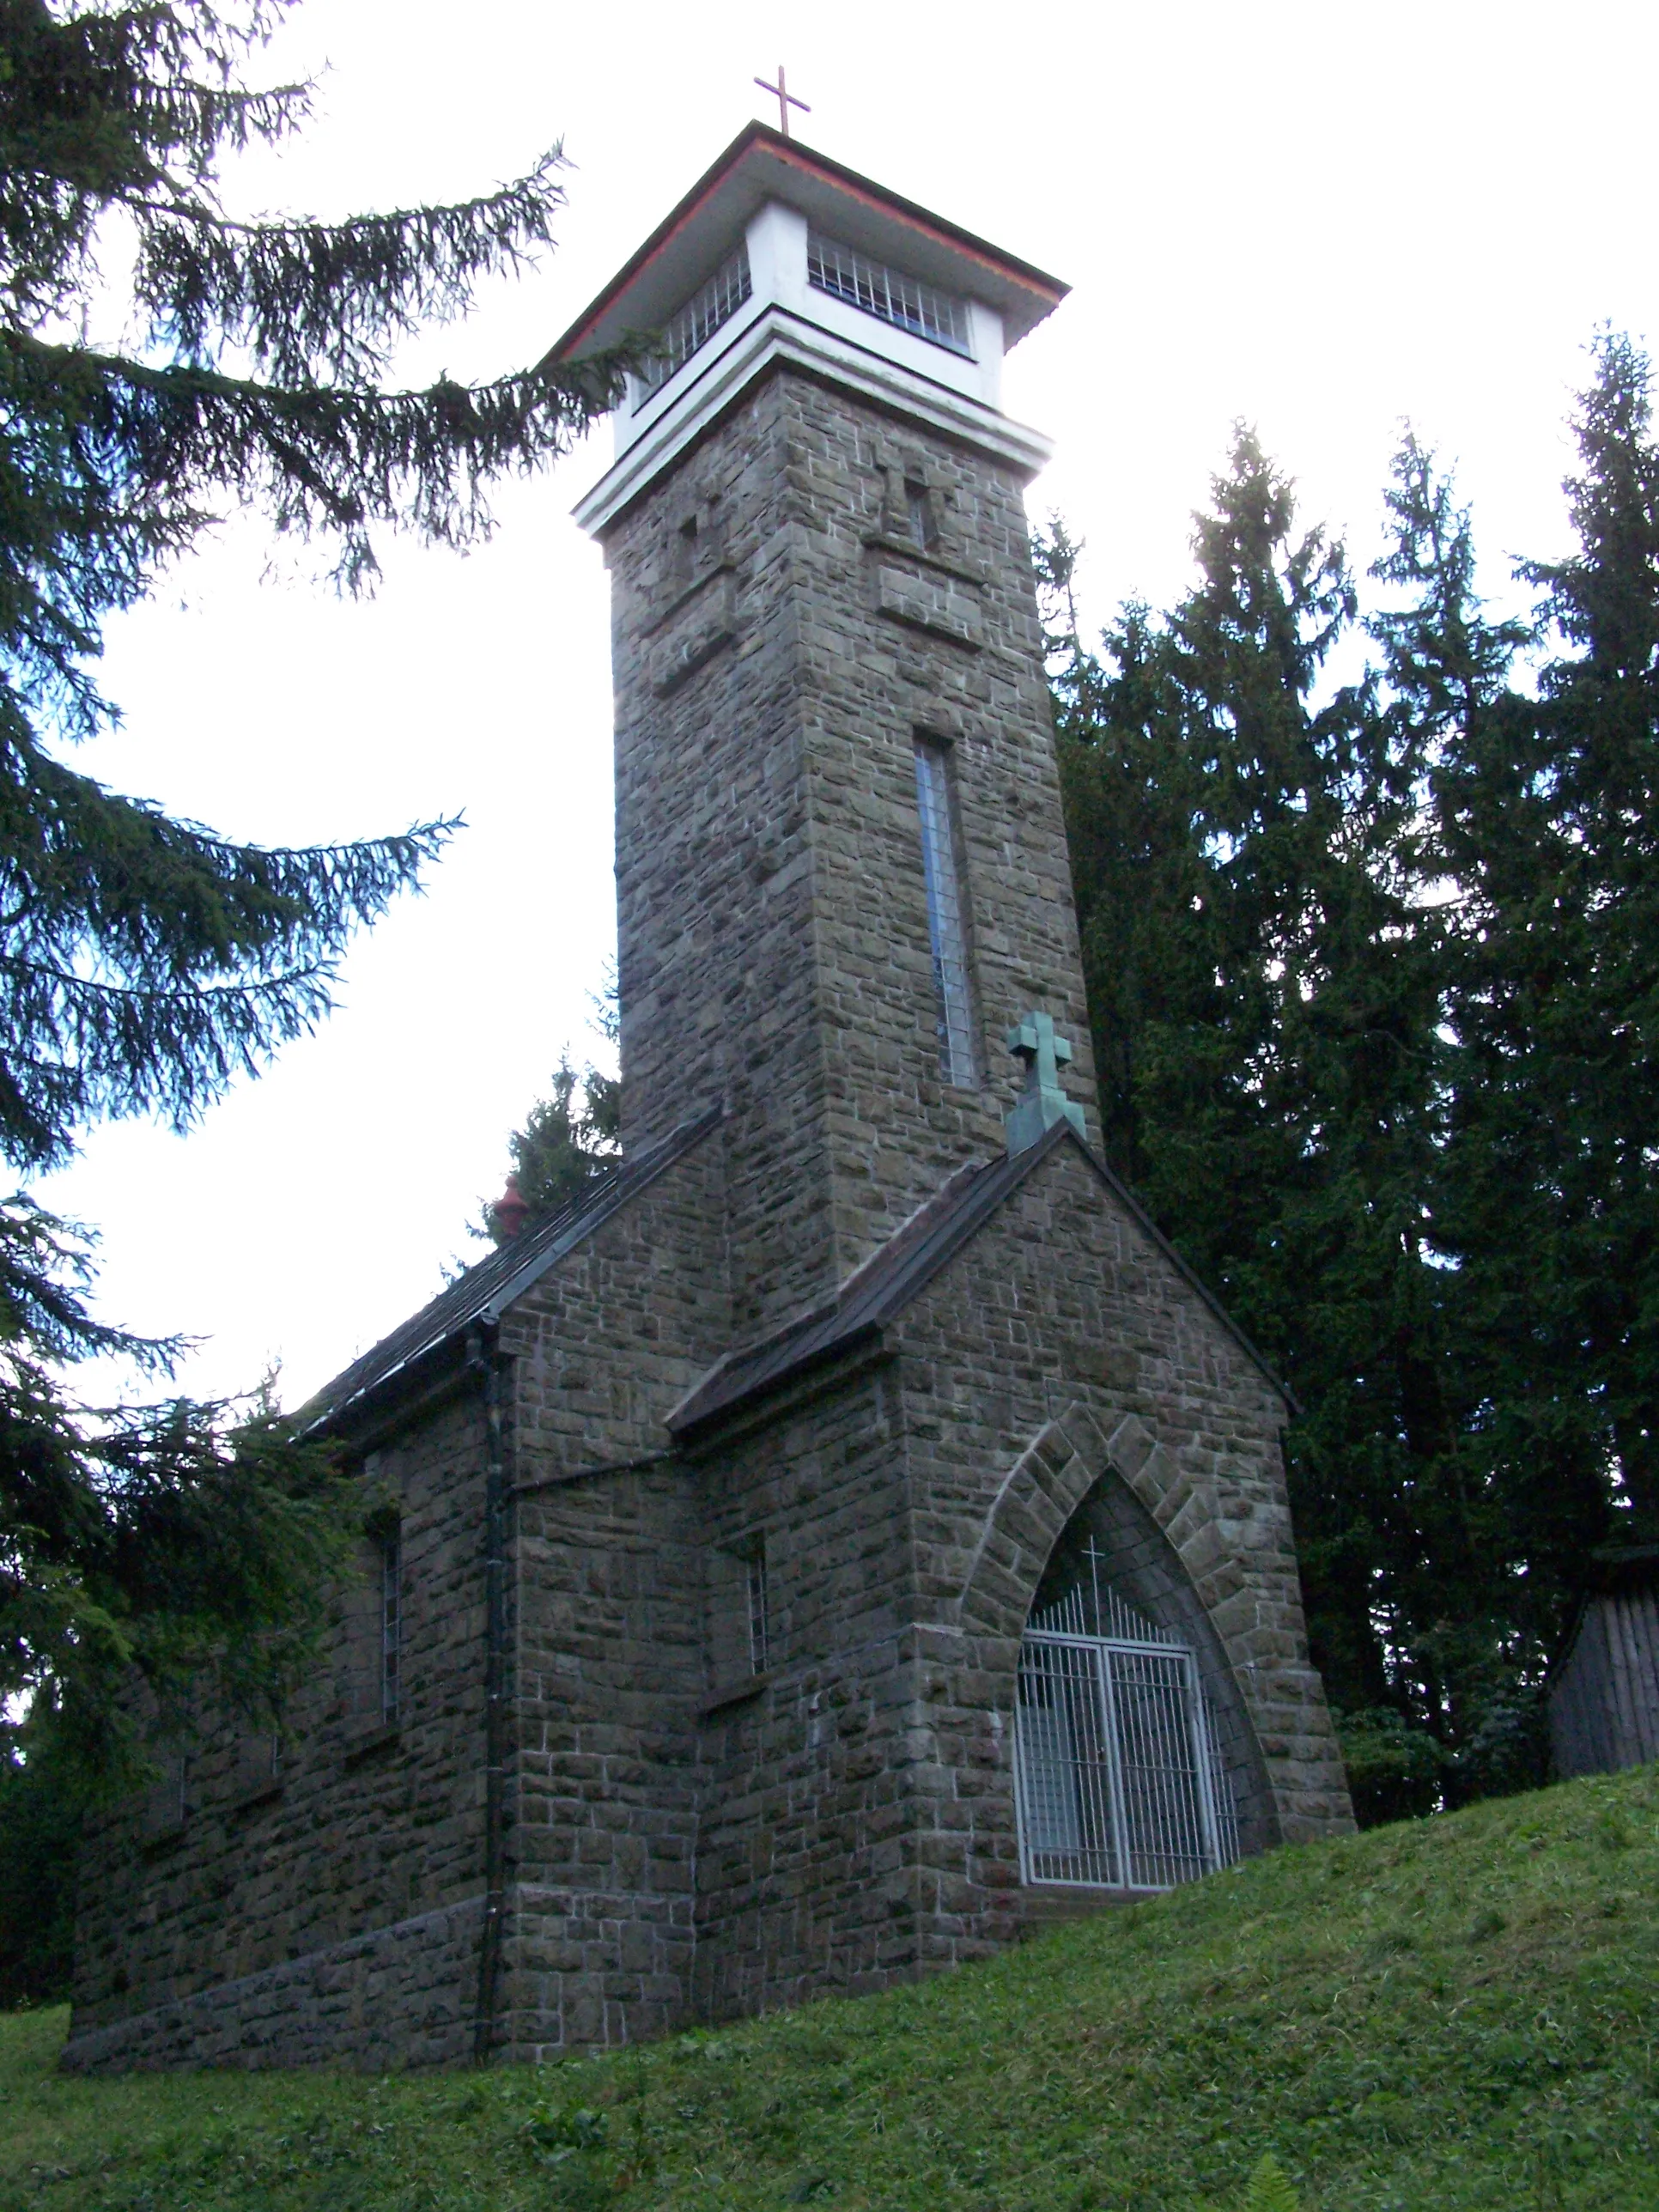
{"points": [[777, 335]]}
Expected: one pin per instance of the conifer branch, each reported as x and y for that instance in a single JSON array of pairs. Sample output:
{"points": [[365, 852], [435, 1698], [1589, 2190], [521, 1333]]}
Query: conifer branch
{"points": [[313, 298], [144, 963]]}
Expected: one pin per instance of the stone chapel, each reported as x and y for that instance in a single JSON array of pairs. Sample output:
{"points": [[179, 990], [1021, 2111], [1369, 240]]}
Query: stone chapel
{"points": [[850, 1533]]}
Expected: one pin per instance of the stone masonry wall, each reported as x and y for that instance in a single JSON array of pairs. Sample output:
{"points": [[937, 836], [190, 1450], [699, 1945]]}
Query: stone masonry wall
{"points": [[608, 1665], [327, 1909], [1063, 1349], [608, 1341], [333, 1908], [604, 1832], [898, 643], [402, 1995], [806, 1787], [858, 1818], [715, 965], [779, 643]]}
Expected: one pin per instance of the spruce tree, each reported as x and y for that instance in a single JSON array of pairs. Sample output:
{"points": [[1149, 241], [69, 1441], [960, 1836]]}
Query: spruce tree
{"points": [[1373, 970], [146, 962], [1308, 1176], [568, 1139], [1467, 1594], [1548, 813], [1265, 977], [1138, 870]]}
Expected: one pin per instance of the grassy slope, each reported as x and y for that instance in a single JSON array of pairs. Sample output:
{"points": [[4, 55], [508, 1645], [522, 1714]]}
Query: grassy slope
{"points": [[1449, 2014]]}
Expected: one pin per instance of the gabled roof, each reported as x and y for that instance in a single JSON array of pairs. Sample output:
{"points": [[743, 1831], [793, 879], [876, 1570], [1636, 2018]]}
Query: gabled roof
{"points": [[760, 165], [877, 1292], [484, 1293]]}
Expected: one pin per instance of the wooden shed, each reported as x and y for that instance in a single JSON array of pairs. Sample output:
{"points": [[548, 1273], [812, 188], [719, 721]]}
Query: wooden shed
{"points": [[1604, 1690]]}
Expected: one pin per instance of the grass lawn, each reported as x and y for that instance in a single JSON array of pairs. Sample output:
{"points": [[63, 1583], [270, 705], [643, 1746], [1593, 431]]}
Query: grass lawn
{"points": [[1453, 2013]]}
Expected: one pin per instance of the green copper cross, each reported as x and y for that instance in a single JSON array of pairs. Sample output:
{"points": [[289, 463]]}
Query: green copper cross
{"points": [[1041, 1103]]}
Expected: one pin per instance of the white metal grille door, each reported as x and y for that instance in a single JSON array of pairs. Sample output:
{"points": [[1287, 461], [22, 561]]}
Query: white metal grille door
{"points": [[1118, 1782]]}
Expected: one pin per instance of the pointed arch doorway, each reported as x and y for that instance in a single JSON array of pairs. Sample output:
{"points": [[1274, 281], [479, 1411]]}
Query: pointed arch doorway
{"points": [[1119, 1783]]}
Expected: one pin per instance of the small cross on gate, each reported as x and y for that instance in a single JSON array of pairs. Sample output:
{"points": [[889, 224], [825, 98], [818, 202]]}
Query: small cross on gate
{"points": [[784, 97], [1095, 1556]]}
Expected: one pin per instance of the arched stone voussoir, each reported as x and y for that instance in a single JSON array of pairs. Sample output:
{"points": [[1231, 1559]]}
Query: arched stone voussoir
{"points": [[1044, 1487], [1085, 1439], [1041, 1492], [1129, 1446]]}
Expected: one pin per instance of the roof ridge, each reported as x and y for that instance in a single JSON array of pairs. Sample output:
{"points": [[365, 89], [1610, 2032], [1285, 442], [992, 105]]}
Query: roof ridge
{"points": [[902, 1267]]}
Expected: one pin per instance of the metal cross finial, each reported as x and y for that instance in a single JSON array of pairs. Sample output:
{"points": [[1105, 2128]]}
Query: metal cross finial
{"points": [[1034, 1040], [1041, 1103], [784, 97]]}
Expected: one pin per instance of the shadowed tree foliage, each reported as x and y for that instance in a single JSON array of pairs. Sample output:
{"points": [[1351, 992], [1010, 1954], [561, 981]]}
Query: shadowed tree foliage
{"points": [[144, 962], [39, 1829], [1550, 815], [1262, 972]]}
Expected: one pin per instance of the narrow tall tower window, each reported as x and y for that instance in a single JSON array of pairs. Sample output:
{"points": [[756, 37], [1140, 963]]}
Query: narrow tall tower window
{"points": [[760, 1631], [391, 1625], [919, 513], [935, 802]]}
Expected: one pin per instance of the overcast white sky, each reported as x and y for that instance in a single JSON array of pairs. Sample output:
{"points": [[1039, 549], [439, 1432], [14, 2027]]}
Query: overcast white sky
{"points": [[1322, 218]]}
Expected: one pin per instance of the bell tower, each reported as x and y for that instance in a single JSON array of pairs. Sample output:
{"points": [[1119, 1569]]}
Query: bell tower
{"points": [[840, 866], [846, 1534]]}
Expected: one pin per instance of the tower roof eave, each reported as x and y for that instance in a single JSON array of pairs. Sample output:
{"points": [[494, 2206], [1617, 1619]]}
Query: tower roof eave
{"points": [[760, 165]]}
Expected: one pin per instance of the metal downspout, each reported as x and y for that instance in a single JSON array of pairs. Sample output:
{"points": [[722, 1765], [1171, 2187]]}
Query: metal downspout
{"points": [[484, 1359]]}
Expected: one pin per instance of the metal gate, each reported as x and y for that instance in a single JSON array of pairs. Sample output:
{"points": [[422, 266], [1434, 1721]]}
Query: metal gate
{"points": [[1117, 1778]]}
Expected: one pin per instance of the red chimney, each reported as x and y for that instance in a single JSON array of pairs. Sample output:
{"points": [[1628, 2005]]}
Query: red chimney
{"points": [[511, 1209]]}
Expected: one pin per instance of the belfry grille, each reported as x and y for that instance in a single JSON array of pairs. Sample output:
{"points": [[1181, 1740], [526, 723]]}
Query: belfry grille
{"points": [[903, 300], [696, 322], [1118, 1780]]}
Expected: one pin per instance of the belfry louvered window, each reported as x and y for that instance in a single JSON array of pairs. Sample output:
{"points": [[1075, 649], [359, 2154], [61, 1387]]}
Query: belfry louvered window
{"points": [[903, 300], [696, 322], [1118, 1780]]}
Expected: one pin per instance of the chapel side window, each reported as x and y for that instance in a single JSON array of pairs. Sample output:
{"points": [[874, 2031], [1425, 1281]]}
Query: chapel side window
{"points": [[919, 515], [936, 804], [738, 1618], [256, 1768], [163, 1810]]}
